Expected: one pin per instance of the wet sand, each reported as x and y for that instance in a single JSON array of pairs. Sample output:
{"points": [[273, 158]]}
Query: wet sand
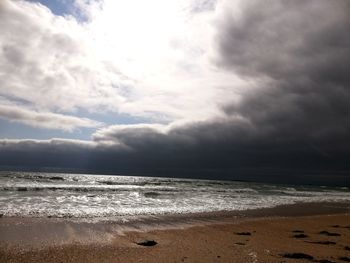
{"points": [[297, 233]]}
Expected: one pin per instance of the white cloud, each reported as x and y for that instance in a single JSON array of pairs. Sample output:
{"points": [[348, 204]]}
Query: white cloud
{"points": [[164, 48], [46, 120], [140, 58], [46, 61]]}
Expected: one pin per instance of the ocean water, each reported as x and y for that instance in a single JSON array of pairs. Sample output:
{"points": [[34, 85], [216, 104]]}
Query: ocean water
{"points": [[30, 194]]}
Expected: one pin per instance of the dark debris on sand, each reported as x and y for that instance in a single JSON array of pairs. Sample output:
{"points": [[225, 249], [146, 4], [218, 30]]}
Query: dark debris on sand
{"points": [[345, 259], [326, 233], [147, 243], [298, 231], [322, 242], [300, 236], [297, 256], [243, 233], [325, 261]]}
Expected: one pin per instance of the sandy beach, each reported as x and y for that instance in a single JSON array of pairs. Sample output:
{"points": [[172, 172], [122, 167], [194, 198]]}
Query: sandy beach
{"points": [[296, 233]]}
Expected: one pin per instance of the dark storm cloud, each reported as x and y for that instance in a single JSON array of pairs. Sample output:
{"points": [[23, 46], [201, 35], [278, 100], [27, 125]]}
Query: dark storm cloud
{"points": [[287, 39], [301, 50], [293, 127]]}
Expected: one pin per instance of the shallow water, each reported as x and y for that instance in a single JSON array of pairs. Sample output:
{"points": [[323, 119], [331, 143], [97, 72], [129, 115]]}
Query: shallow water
{"points": [[30, 194]]}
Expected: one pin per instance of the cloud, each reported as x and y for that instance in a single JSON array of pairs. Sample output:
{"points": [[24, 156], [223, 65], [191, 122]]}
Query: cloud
{"points": [[265, 95], [45, 120], [220, 149], [48, 62], [299, 61], [128, 57], [285, 39], [29, 153], [298, 101], [55, 143]]}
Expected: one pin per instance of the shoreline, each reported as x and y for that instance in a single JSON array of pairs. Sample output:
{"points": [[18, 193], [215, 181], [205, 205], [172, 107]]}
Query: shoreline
{"points": [[317, 238], [32, 232], [258, 235]]}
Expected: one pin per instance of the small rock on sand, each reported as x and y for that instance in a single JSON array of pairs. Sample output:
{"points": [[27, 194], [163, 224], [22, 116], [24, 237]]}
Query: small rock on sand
{"points": [[298, 231], [147, 243], [300, 236], [297, 256], [322, 242], [326, 233], [244, 234]]}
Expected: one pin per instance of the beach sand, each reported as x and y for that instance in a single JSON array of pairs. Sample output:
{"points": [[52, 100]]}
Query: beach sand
{"points": [[312, 232]]}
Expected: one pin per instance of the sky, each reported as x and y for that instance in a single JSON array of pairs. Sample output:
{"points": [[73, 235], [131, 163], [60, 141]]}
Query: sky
{"points": [[218, 89]]}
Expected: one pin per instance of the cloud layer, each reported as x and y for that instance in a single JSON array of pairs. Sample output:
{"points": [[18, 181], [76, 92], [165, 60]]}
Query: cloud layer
{"points": [[45, 120], [121, 60], [301, 65], [47, 63]]}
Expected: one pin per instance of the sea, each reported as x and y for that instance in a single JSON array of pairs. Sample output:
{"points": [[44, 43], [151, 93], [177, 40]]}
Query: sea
{"points": [[62, 195]]}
